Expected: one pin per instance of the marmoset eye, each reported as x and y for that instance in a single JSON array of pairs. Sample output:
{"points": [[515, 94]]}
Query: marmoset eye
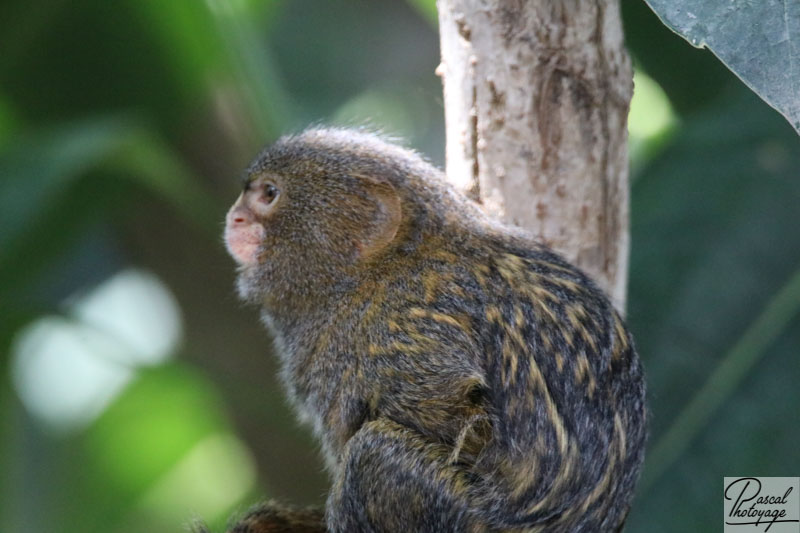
{"points": [[270, 193]]}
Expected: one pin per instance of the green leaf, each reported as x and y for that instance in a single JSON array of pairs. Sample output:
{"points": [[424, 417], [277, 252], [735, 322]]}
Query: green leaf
{"points": [[713, 302], [148, 161], [8, 121], [40, 172], [217, 45], [759, 41], [155, 422], [37, 169], [722, 383], [151, 462], [427, 8]]}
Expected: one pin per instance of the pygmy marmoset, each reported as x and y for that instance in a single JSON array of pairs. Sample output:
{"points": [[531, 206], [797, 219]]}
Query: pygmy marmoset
{"points": [[460, 376]]}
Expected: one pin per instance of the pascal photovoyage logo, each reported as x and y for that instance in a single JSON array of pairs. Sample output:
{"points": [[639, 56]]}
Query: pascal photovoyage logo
{"points": [[762, 504]]}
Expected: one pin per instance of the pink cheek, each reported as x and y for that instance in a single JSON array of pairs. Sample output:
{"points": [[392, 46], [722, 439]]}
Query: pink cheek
{"points": [[243, 242]]}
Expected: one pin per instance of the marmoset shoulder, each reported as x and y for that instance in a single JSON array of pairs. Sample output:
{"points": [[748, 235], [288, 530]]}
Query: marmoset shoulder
{"points": [[459, 375]]}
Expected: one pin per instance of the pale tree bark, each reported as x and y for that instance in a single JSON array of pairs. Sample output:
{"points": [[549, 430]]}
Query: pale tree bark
{"points": [[536, 97]]}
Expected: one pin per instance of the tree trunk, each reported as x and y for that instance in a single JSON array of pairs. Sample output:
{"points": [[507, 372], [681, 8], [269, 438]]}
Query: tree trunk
{"points": [[536, 99]]}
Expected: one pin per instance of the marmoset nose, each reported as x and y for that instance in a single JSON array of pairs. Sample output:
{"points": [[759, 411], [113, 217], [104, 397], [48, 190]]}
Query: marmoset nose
{"points": [[238, 216]]}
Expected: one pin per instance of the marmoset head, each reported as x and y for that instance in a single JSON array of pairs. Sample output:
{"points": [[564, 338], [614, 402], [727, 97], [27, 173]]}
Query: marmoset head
{"points": [[315, 209]]}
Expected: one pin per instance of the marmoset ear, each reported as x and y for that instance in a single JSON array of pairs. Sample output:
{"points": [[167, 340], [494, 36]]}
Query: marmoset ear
{"points": [[385, 221]]}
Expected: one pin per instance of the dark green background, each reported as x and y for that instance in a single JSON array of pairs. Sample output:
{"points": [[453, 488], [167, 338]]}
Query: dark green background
{"points": [[123, 129]]}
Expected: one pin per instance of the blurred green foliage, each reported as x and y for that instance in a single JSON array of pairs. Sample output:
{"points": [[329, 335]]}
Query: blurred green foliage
{"points": [[123, 127]]}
